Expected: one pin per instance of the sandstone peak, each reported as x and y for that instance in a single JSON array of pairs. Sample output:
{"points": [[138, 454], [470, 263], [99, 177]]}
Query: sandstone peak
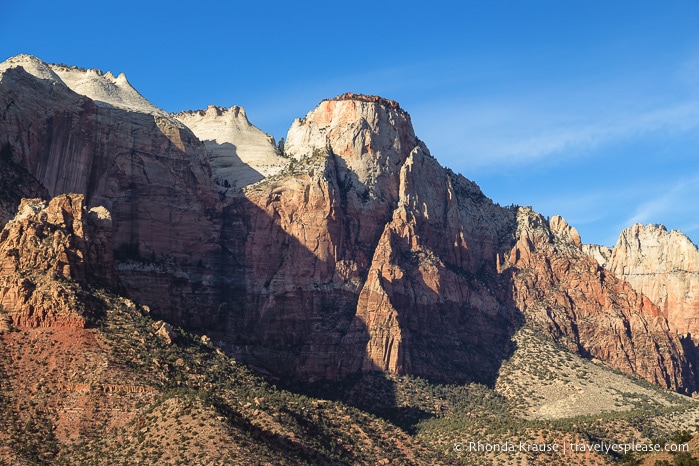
{"points": [[31, 65], [372, 136], [673, 248], [664, 266], [561, 228], [599, 252], [239, 153], [367, 98], [103, 88]]}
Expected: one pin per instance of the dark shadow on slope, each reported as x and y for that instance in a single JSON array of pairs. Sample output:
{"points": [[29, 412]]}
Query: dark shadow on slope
{"points": [[15, 183], [302, 331], [280, 310], [229, 170], [691, 352], [372, 392], [451, 340]]}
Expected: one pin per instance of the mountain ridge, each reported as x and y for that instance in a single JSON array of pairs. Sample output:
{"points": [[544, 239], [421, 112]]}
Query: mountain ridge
{"points": [[361, 265], [358, 227]]}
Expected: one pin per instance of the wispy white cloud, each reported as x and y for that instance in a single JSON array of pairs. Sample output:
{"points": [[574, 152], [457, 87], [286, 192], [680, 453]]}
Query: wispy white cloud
{"points": [[522, 134], [669, 203]]}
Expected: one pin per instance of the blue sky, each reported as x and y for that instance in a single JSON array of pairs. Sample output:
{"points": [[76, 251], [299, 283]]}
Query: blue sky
{"points": [[586, 109]]}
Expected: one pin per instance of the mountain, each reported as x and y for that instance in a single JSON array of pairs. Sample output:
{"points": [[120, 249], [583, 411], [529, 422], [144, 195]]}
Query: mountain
{"points": [[239, 153], [350, 266], [663, 265], [340, 262], [89, 377]]}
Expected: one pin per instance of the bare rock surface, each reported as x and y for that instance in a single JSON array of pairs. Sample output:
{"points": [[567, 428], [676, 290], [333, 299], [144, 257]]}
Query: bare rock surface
{"points": [[365, 254], [46, 246], [598, 252], [568, 296], [144, 166], [240, 153], [361, 254], [663, 265]]}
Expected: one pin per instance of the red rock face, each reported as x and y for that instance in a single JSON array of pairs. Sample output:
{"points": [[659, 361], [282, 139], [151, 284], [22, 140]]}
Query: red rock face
{"points": [[368, 255], [149, 171], [567, 295], [43, 249]]}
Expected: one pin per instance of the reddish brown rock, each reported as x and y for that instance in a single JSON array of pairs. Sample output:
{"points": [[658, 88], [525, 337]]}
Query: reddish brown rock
{"points": [[46, 247], [301, 242], [144, 166], [363, 254], [664, 266], [570, 297], [368, 255]]}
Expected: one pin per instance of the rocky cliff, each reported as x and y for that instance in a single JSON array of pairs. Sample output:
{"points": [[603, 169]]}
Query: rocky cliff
{"points": [[88, 377], [361, 254], [567, 295], [87, 132], [366, 254], [664, 266], [239, 153], [44, 248]]}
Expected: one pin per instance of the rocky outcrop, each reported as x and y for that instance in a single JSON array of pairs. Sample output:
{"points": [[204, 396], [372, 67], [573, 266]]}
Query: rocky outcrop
{"points": [[165, 331], [664, 266], [568, 296], [46, 248], [598, 252], [239, 153], [301, 242], [433, 304]]}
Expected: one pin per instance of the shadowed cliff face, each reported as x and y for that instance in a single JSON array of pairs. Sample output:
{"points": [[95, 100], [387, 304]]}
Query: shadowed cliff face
{"points": [[367, 255], [15, 183], [147, 169]]}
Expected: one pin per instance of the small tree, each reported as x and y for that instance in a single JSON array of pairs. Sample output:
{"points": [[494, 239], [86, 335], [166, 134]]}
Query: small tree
{"points": [[280, 146]]}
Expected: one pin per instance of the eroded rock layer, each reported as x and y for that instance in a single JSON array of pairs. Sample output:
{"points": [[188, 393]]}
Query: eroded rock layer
{"points": [[367, 255], [78, 131], [569, 296], [46, 247]]}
